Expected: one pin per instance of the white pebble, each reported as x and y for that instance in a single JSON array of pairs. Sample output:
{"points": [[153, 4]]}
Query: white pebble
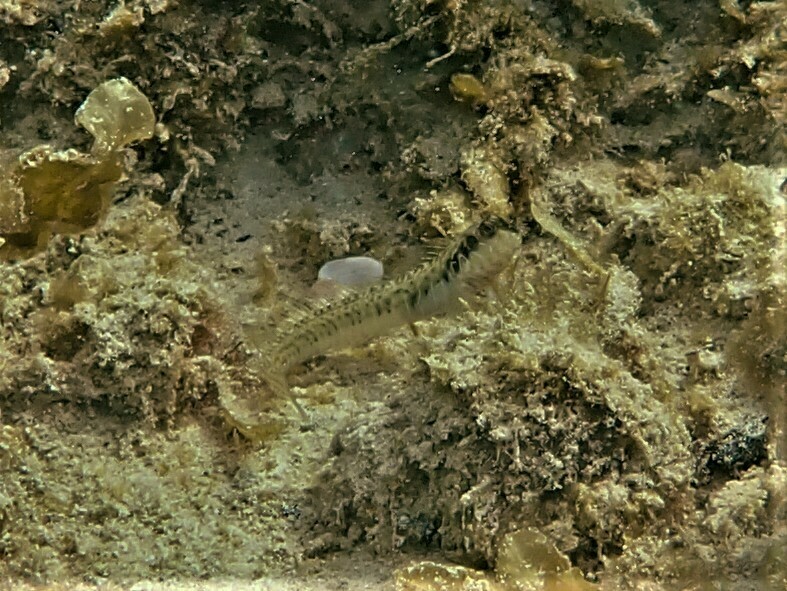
{"points": [[352, 271]]}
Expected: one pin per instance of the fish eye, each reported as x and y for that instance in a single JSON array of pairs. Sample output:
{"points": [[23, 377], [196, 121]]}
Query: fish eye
{"points": [[487, 229]]}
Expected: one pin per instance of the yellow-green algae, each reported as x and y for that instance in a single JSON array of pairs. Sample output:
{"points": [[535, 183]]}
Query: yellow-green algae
{"points": [[526, 562], [45, 190]]}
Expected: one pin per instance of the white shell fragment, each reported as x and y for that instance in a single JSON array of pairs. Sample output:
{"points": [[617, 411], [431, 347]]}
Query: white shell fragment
{"points": [[352, 271]]}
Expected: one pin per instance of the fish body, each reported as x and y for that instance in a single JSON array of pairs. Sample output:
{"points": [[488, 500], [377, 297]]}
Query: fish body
{"points": [[468, 265]]}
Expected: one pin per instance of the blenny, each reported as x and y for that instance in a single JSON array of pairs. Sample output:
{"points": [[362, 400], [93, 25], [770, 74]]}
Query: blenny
{"points": [[467, 266]]}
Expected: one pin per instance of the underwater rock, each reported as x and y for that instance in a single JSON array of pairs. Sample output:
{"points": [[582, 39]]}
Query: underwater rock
{"points": [[625, 12], [483, 171], [442, 212]]}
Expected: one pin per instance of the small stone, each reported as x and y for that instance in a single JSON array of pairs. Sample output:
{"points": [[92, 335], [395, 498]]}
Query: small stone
{"points": [[352, 271]]}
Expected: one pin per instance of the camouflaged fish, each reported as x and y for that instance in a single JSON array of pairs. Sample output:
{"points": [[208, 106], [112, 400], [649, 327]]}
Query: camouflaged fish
{"points": [[467, 266]]}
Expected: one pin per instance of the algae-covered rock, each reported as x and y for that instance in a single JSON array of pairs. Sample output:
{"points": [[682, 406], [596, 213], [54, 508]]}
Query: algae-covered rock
{"points": [[119, 321], [24, 12], [567, 404], [485, 176], [618, 12], [5, 74]]}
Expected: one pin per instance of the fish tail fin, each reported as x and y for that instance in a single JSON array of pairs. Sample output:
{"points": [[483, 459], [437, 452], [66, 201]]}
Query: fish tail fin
{"points": [[277, 382]]}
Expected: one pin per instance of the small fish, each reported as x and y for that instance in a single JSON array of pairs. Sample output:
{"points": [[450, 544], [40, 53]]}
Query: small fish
{"points": [[467, 266]]}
